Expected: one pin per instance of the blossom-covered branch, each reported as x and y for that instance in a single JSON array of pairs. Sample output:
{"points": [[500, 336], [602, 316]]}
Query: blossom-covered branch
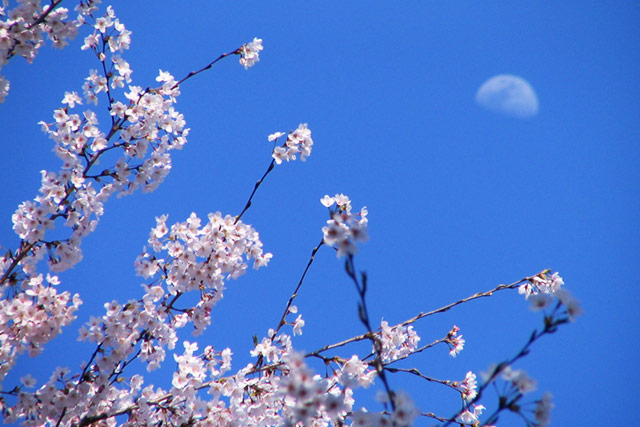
{"points": [[186, 267], [23, 29], [144, 128]]}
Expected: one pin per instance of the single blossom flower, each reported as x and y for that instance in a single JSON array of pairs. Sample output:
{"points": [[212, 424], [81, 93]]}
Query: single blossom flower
{"points": [[468, 417], [469, 386], [542, 411]]}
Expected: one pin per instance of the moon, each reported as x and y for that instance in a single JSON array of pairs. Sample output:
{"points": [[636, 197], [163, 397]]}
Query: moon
{"points": [[508, 95]]}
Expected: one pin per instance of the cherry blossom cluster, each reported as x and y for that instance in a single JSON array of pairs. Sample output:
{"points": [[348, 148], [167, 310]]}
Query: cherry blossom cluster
{"points": [[471, 415], [355, 373], [287, 392], [248, 397], [221, 243], [541, 289], [455, 341], [284, 392], [250, 53], [308, 396], [193, 257], [542, 411], [273, 349], [344, 229], [397, 342], [31, 319], [469, 386], [573, 308], [292, 394], [192, 370], [118, 41], [403, 415], [141, 329], [281, 393], [543, 282], [23, 29], [298, 142], [518, 379]]}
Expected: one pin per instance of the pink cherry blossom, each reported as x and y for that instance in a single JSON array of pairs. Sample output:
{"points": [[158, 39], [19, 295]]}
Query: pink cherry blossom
{"points": [[250, 53]]}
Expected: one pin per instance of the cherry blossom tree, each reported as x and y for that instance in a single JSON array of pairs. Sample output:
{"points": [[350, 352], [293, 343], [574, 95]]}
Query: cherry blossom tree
{"points": [[132, 130]]}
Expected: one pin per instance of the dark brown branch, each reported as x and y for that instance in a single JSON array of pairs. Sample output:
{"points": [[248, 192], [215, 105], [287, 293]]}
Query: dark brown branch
{"points": [[206, 67], [423, 314], [295, 292], [255, 188]]}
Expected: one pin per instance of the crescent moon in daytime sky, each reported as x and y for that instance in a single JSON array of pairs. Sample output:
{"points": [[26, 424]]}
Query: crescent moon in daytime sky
{"points": [[508, 95]]}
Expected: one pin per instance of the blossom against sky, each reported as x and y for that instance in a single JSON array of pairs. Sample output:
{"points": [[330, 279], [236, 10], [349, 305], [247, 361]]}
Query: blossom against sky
{"points": [[459, 199]]}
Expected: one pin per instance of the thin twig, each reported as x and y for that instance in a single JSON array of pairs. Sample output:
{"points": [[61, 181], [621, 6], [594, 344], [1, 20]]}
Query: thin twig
{"points": [[206, 67], [255, 188], [416, 372], [363, 314], [470, 298], [423, 314], [418, 350], [295, 292]]}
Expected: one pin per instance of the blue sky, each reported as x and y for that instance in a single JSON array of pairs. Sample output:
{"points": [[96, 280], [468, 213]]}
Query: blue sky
{"points": [[460, 198]]}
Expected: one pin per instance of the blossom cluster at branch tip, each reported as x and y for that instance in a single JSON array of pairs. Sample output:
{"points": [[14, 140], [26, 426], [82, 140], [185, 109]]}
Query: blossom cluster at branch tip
{"points": [[541, 288], [519, 379], [471, 417], [298, 142], [542, 411], [543, 282], [520, 383], [344, 229], [455, 341], [250, 53]]}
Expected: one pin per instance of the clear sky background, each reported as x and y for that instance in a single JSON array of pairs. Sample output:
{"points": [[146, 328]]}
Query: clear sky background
{"points": [[460, 199]]}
